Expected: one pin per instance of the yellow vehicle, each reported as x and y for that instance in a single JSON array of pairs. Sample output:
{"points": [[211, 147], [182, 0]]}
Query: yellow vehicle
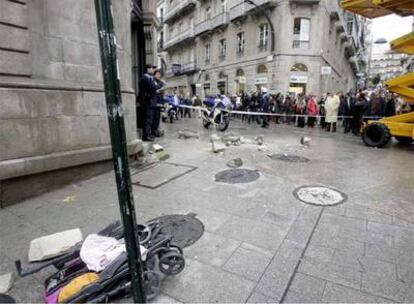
{"points": [[379, 133]]}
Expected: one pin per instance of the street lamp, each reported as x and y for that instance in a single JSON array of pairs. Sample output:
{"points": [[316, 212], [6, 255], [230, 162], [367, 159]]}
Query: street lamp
{"points": [[272, 28]]}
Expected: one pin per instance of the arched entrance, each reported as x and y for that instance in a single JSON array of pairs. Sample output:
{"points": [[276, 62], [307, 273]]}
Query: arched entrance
{"points": [[261, 80], [298, 78], [240, 81]]}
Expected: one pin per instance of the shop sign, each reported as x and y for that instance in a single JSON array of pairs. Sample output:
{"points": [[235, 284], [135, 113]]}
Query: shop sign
{"points": [[260, 80], [298, 79]]}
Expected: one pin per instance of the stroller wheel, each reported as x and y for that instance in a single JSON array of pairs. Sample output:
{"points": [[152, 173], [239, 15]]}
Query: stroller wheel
{"points": [[151, 284], [171, 263], [144, 233], [176, 248]]}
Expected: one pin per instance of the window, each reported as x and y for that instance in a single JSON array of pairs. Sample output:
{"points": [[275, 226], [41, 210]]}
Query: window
{"points": [[240, 44], [263, 36], [262, 69], [222, 49], [208, 13], [207, 53], [299, 67], [223, 6], [207, 77], [349, 24], [162, 14], [239, 72], [301, 33]]}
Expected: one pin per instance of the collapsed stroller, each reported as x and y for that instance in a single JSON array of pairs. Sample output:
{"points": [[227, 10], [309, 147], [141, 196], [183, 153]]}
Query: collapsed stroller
{"points": [[74, 282]]}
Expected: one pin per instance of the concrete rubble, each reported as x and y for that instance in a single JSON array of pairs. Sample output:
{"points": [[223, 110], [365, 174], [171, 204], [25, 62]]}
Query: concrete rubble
{"points": [[6, 282], [53, 245], [305, 140], [158, 151], [235, 163], [187, 134], [259, 140], [216, 144]]}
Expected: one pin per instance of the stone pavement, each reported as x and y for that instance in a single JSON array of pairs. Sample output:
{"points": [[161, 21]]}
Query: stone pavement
{"points": [[260, 243]]}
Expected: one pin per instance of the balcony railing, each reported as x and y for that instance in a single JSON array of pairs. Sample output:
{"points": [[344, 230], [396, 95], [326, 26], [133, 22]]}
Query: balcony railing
{"points": [[177, 9], [220, 20], [186, 68], [202, 27], [243, 8], [183, 36]]}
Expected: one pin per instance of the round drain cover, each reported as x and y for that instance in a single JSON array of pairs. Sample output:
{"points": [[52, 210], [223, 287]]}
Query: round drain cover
{"points": [[185, 229], [320, 196], [237, 176], [289, 158]]}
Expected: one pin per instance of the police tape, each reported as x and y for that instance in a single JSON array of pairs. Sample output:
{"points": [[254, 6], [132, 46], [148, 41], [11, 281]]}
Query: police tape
{"points": [[279, 114]]}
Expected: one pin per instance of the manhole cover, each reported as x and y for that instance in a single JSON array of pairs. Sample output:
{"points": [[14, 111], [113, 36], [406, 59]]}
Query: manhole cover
{"points": [[320, 196], [289, 158], [185, 229], [237, 176]]}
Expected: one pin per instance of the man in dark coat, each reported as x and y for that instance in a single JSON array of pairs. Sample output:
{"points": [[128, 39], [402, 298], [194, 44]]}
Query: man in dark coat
{"points": [[345, 106], [147, 90]]}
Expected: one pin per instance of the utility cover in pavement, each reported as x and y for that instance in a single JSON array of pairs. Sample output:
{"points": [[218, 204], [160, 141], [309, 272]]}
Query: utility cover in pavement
{"points": [[320, 196], [237, 176], [185, 229], [159, 174], [289, 158]]}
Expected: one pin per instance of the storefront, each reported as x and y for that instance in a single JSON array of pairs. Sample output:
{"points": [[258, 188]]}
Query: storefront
{"points": [[298, 84], [261, 83]]}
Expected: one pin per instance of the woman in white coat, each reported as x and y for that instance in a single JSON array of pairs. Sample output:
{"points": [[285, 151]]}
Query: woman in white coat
{"points": [[332, 108]]}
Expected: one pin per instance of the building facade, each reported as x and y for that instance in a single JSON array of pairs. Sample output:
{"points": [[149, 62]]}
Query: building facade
{"points": [[52, 107], [388, 65], [230, 46]]}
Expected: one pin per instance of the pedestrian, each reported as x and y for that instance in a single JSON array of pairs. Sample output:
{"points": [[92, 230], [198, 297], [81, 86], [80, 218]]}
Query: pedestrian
{"points": [[159, 97], [147, 89], [300, 109], [377, 106], [322, 111], [360, 105], [311, 110], [332, 108], [390, 109], [286, 109], [345, 111], [265, 107]]}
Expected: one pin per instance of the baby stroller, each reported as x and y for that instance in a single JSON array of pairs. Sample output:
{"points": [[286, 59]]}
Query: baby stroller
{"points": [[163, 257]]}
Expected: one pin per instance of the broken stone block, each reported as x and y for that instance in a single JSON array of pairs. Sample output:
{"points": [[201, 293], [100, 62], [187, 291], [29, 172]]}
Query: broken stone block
{"points": [[6, 282], [262, 148], [235, 163], [305, 140], [156, 148], [186, 134], [162, 155], [147, 160], [215, 137], [53, 245], [260, 140], [218, 146]]}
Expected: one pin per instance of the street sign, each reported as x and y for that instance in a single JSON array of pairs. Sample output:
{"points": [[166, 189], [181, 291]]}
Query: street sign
{"points": [[360, 74], [198, 85], [260, 80], [269, 58], [326, 70]]}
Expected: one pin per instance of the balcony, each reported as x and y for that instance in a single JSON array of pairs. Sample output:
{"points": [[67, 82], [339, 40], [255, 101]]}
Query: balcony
{"points": [[242, 9], [187, 35], [203, 27], [305, 1], [211, 24], [182, 69], [220, 20], [177, 10]]}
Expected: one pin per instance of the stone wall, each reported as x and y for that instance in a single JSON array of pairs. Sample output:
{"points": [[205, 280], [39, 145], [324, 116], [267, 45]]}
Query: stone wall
{"points": [[52, 105]]}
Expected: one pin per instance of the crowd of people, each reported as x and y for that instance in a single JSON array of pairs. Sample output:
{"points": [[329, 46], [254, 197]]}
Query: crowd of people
{"points": [[352, 108]]}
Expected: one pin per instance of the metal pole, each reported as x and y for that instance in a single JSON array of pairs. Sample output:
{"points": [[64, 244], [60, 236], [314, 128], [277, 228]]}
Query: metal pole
{"points": [[272, 28], [110, 70]]}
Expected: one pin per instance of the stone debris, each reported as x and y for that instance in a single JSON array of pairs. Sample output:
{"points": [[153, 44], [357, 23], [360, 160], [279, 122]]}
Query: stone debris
{"points": [[158, 151], [262, 148], [216, 144], [54, 245], [259, 140], [235, 163], [148, 159], [6, 282], [305, 140], [232, 139], [69, 199], [186, 134]]}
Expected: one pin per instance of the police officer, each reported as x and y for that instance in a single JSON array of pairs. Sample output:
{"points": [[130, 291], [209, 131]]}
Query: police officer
{"points": [[148, 88]]}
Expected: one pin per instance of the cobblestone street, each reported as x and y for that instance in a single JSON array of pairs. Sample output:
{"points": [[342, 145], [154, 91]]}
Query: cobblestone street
{"points": [[260, 244]]}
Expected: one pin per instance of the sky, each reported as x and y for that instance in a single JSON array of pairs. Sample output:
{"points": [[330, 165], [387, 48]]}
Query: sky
{"points": [[391, 27]]}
